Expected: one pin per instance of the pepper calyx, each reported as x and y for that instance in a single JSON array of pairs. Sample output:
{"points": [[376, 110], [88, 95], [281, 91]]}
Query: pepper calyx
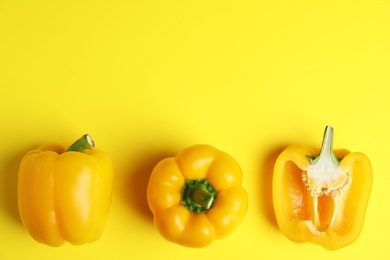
{"points": [[326, 152], [83, 143], [324, 175], [198, 195]]}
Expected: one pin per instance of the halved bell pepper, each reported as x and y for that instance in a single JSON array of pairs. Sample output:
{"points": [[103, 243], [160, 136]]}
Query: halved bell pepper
{"points": [[196, 197], [321, 196], [65, 195]]}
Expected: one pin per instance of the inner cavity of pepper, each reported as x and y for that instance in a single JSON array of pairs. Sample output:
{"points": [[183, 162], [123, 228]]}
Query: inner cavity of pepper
{"points": [[318, 207]]}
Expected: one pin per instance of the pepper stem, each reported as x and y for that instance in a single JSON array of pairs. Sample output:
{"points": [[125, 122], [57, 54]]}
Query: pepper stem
{"points": [[85, 142], [326, 152], [198, 195]]}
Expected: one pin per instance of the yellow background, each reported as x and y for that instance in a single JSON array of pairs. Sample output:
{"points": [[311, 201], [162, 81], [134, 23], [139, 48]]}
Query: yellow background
{"points": [[149, 78]]}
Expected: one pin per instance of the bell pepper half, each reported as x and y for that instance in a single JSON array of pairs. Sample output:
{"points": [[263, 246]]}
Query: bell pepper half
{"points": [[321, 196], [196, 197], [65, 195]]}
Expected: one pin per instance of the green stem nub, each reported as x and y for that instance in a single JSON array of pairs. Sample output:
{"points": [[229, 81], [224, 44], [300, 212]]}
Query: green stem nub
{"points": [[326, 148], [85, 142], [198, 195]]}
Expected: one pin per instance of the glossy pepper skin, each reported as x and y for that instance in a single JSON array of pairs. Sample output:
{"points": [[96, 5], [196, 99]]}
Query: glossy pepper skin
{"points": [[65, 195], [196, 197], [321, 197]]}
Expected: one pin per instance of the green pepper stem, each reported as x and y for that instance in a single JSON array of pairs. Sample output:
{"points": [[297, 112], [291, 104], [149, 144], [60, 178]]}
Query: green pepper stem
{"points": [[198, 195], [326, 153], [85, 142]]}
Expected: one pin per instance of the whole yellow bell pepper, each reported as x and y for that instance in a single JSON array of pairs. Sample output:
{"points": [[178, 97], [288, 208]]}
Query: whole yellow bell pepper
{"points": [[196, 197], [65, 195], [321, 197]]}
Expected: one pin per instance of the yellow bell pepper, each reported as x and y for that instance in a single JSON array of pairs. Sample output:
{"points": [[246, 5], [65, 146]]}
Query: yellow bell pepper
{"points": [[65, 195], [321, 197], [196, 197]]}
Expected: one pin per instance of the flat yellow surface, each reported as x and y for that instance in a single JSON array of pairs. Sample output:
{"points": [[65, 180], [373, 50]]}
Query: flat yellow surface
{"points": [[149, 78]]}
